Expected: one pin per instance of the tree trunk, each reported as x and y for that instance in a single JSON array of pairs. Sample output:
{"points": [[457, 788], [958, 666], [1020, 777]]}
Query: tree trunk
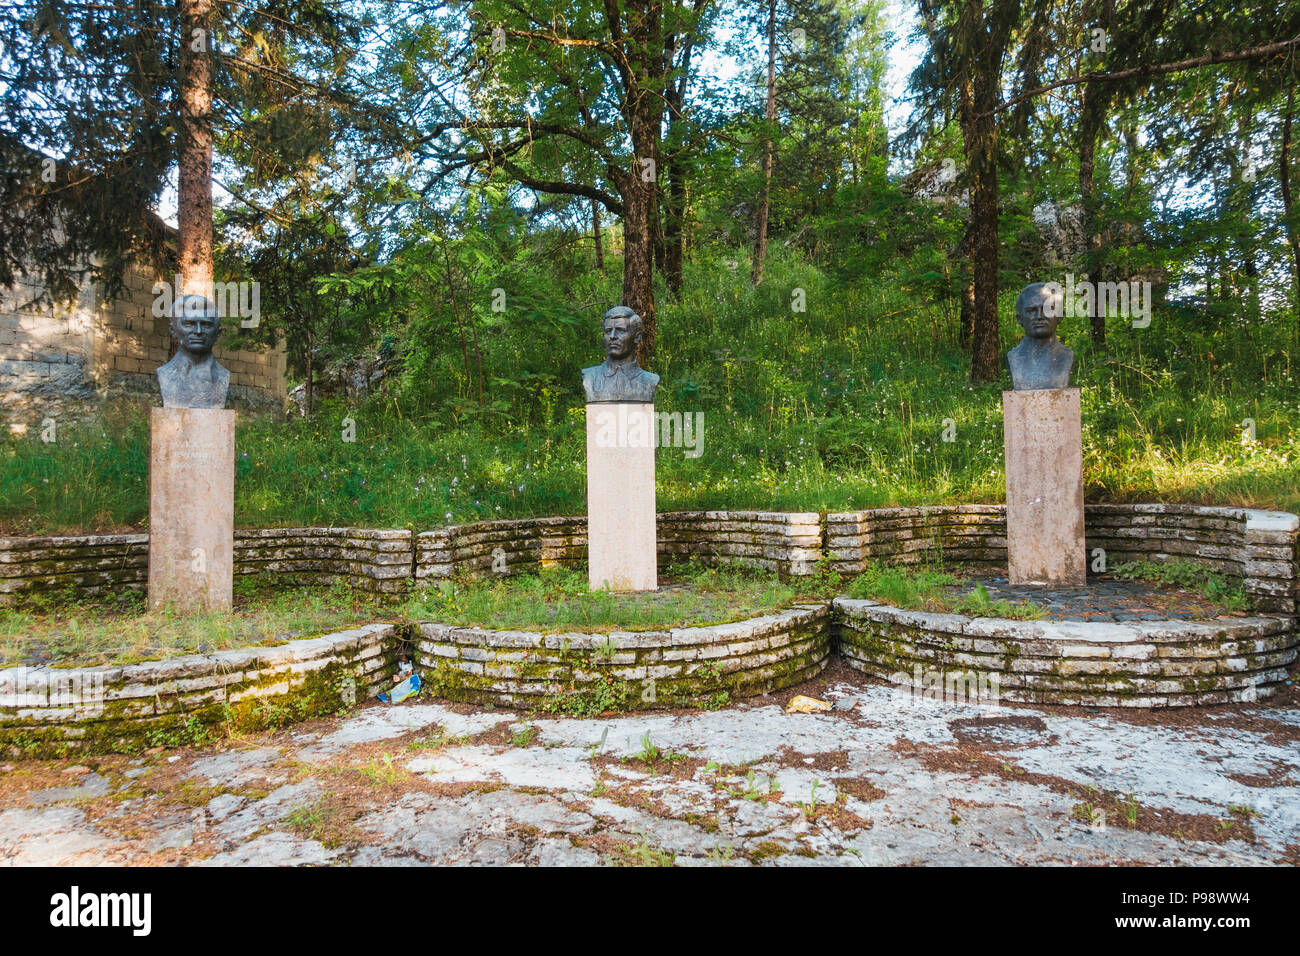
{"points": [[675, 172], [310, 392], [638, 264], [674, 234], [981, 160], [1288, 202], [194, 186], [967, 315], [643, 111], [595, 230], [769, 114], [1090, 124]]}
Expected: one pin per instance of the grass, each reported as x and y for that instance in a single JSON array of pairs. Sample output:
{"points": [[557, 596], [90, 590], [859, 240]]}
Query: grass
{"points": [[841, 407], [928, 588], [64, 631], [70, 632], [559, 599], [1231, 596], [59, 629]]}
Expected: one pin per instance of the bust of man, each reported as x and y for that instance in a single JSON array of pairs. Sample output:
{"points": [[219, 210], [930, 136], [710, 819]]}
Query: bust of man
{"points": [[192, 378], [1040, 360], [620, 379]]}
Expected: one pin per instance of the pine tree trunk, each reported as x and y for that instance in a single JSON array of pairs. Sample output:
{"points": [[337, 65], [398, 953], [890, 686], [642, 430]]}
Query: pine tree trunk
{"points": [[769, 114], [1090, 124], [981, 160], [194, 187], [674, 234], [1288, 202], [967, 315], [643, 111]]}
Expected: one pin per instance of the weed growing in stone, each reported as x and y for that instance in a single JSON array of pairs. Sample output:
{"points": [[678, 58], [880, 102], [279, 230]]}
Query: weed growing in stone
{"points": [[1186, 574]]}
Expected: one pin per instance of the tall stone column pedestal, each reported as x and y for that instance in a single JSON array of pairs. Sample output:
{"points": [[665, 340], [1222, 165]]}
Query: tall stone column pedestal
{"points": [[1044, 454], [191, 508], [621, 545]]}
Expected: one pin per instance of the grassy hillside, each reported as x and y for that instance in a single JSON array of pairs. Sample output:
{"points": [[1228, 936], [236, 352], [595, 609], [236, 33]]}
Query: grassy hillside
{"points": [[838, 407]]}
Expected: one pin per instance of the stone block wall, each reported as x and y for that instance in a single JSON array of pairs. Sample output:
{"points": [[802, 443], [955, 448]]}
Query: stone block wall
{"points": [[51, 712], [377, 560], [586, 673], [1253, 546], [84, 565], [62, 359], [500, 547], [1141, 664], [789, 543], [1256, 547], [962, 534]]}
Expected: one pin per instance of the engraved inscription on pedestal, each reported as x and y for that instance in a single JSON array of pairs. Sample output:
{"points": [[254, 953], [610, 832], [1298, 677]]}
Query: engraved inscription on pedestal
{"points": [[191, 508], [621, 543], [1044, 460]]}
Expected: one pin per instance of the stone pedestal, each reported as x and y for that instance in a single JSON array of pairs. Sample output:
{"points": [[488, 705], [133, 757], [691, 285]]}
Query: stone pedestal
{"points": [[1044, 453], [621, 496], [191, 508]]}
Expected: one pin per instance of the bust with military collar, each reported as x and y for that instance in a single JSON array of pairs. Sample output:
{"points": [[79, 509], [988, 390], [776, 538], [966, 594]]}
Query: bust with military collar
{"points": [[619, 378]]}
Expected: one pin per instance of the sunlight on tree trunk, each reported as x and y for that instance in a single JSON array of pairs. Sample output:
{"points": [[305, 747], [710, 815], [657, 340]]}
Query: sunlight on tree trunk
{"points": [[194, 185]]}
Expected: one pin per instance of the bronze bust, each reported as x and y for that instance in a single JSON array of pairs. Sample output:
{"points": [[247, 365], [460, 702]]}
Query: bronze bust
{"points": [[620, 379], [1040, 361], [192, 378]]}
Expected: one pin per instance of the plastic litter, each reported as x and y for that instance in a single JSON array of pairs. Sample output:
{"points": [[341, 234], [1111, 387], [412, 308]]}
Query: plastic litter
{"points": [[407, 688], [799, 704]]}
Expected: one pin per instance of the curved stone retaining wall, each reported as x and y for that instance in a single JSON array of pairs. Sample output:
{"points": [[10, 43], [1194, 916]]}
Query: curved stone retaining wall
{"points": [[588, 673], [388, 560], [378, 560], [500, 547], [47, 712], [1256, 547], [1140, 664]]}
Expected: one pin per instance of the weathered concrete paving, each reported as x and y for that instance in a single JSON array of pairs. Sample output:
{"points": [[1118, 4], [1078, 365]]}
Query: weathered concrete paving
{"points": [[887, 780]]}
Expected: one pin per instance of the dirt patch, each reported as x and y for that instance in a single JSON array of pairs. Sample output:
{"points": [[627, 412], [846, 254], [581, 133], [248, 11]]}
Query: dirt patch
{"points": [[857, 787], [830, 761], [1278, 776], [1002, 732]]}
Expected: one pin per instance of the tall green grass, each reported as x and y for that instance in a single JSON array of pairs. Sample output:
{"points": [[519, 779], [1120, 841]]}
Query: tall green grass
{"points": [[841, 406]]}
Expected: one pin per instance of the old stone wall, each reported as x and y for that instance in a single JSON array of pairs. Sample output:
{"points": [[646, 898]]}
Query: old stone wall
{"points": [[1256, 547], [377, 560], [63, 359], [49, 712], [1141, 664], [577, 672]]}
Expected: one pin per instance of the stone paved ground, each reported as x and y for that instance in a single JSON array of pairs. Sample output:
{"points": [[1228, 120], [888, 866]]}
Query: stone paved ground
{"points": [[881, 779], [1102, 599]]}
